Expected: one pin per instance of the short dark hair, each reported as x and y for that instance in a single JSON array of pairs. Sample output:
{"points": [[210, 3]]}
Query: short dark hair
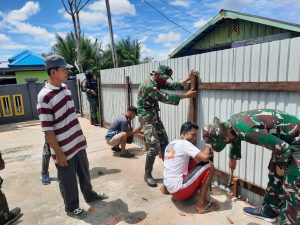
{"points": [[49, 70], [132, 109], [187, 126]]}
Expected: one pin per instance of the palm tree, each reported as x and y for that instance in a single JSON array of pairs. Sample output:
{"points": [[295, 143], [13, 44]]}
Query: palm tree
{"points": [[91, 52], [129, 52]]}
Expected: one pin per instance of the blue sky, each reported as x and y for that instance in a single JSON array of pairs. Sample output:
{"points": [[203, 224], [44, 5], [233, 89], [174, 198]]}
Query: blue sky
{"points": [[33, 24]]}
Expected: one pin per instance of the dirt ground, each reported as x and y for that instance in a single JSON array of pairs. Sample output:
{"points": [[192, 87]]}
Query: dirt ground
{"points": [[131, 201]]}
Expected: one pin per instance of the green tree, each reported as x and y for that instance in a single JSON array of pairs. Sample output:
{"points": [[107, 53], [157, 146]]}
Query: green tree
{"points": [[91, 52], [129, 52]]}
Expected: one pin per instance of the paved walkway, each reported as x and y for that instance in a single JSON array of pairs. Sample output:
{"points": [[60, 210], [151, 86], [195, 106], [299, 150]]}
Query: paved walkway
{"points": [[130, 202]]}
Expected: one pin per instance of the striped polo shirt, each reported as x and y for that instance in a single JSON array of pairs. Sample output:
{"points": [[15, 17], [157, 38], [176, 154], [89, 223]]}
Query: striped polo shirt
{"points": [[56, 111]]}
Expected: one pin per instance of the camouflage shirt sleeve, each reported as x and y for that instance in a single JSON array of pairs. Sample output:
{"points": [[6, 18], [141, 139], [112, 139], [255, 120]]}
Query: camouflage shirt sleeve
{"points": [[157, 95], [281, 150], [176, 85], [235, 150]]}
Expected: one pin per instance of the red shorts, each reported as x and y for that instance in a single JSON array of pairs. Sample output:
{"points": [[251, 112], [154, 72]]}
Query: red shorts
{"points": [[196, 177]]}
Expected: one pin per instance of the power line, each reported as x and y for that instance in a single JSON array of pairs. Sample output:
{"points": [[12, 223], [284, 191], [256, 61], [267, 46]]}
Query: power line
{"points": [[168, 18]]}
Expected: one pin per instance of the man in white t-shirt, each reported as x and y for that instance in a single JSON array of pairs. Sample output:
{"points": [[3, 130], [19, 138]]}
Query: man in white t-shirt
{"points": [[187, 169]]}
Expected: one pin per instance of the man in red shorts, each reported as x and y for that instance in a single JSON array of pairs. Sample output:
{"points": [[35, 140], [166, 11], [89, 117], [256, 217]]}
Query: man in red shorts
{"points": [[187, 169]]}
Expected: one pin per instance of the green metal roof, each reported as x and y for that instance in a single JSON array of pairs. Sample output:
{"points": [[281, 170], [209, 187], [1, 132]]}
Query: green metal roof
{"points": [[227, 14]]}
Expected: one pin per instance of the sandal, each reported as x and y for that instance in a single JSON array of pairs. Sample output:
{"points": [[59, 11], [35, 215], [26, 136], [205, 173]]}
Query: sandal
{"points": [[210, 207], [78, 214]]}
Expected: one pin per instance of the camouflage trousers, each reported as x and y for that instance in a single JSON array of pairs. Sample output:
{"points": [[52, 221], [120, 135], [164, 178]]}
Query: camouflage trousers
{"points": [[94, 109], [3, 208], [290, 213], [156, 137], [273, 198]]}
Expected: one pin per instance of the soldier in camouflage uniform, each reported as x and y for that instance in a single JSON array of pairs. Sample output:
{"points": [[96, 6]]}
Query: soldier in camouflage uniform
{"points": [[149, 94], [279, 132], [6, 216], [89, 85]]}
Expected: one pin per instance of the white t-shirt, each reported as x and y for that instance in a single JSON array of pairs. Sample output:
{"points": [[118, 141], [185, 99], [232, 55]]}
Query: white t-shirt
{"points": [[177, 156]]}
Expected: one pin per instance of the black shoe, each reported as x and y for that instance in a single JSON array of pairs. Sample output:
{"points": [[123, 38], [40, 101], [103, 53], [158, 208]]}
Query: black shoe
{"points": [[126, 154], [78, 214], [13, 215], [150, 181], [116, 149], [98, 197]]}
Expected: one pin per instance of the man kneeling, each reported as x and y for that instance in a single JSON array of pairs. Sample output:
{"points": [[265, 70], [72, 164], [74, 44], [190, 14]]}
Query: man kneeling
{"points": [[187, 169], [120, 132]]}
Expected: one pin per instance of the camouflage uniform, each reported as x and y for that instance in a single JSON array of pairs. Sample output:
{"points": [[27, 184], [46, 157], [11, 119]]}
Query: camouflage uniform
{"points": [[279, 132], [89, 85], [4, 211], [148, 96]]}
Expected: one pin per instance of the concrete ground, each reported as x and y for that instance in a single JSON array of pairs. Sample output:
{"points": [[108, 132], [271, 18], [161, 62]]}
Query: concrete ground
{"points": [[131, 200]]}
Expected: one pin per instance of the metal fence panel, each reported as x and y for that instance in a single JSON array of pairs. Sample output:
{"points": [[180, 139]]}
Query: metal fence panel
{"points": [[267, 62]]}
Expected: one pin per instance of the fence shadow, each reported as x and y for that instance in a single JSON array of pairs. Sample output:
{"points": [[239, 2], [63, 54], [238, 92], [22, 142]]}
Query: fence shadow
{"points": [[112, 212], [102, 171]]}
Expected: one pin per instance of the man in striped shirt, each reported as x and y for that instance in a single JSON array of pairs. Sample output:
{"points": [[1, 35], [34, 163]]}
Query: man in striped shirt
{"points": [[58, 118]]}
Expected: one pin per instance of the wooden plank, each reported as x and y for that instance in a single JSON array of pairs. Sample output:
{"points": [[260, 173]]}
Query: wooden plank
{"points": [[248, 86], [238, 182], [113, 85], [252, 86]]}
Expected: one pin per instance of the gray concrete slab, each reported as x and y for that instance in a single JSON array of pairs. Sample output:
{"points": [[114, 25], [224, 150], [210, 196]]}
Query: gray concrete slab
{"points": [[131, 200]]}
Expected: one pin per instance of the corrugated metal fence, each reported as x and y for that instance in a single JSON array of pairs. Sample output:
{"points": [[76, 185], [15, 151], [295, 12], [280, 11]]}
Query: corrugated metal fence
{"points": [[267, 64]]}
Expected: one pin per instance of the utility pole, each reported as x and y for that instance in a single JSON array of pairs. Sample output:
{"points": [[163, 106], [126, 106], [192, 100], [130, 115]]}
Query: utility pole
{"points": [[113, 48]]}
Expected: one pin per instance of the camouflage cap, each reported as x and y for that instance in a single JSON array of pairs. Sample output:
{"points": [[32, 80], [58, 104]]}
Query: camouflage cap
{"points": [[164, 71], [215, 135]]}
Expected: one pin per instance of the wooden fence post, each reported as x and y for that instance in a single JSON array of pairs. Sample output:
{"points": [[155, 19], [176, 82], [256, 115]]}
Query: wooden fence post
{"points": [[192, 114], [80, 97], [127, 90], [100, 101]]}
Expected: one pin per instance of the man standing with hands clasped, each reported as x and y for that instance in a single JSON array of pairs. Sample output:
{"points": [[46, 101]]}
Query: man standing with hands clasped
{"points": [[58, 118]]}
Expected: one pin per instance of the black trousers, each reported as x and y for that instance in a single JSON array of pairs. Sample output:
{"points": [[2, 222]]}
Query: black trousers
{"points": [[78, 166]]}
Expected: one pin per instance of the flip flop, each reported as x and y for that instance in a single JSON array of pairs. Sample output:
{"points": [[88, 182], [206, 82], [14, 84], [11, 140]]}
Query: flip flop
{"points": [[210, 207]]}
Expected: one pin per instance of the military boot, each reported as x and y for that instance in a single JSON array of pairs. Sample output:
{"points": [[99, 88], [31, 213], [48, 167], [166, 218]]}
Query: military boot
{"points": [[148, 170]]}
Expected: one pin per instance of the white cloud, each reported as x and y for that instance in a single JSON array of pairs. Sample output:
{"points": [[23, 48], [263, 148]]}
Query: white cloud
{"points": [[63, 26], [170, 45], [20, 15], [3, 37], [168, 37], [200, 23], [106, 40], [92, 18], [117, 7], [95, 14], [7, 44], [183, 3], [143, 39], [15, 21], [38, 33], [231, 4]]}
